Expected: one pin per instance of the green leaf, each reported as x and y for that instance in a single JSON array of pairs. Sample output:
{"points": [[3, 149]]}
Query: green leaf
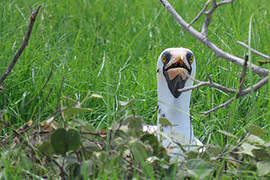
{"points": [[199, 168], [153, 142], [58, 141], [256, 130], [46, 148], [213, 151], [247, 148], [261, 154], [263, 168], [73, 140], [150, 139], [255, 140], [227, 133], [135, 123], [63, 141], [163, 121]]}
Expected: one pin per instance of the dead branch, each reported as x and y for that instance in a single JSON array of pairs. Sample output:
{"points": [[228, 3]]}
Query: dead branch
{"points": [[253, 50], [200, 13], [208, 14], [223, 105], [23, 45], [200, 36], [255, 87], [239, 92], [209, 84]]}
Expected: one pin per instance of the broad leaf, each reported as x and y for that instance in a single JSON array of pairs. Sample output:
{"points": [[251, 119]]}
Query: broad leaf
{"points": [[58, 141], [163, 121], [263, 168], [63, 141], [199, 168], [46, 148], [256, 130], [73, 140], [247, 148]]}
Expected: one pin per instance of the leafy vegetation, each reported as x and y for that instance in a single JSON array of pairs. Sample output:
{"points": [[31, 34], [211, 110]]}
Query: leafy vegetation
{"points": [[110, 48]]}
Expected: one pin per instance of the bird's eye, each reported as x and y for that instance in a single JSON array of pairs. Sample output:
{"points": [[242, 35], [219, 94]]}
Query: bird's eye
{"points": [[190, 57], [166, 56], [163, 58]]}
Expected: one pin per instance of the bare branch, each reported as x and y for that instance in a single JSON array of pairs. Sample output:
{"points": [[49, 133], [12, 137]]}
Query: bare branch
{"points": [[23, 45], [209, 84], [225, 2], [253, 50], [255, 87], [219, 106], [208, 16], [200, 13], [219, 52], [239, 92], [243, 93]]}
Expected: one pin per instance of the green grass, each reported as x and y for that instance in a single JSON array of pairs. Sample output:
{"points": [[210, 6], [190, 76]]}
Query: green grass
{"points": [[75, 37]]}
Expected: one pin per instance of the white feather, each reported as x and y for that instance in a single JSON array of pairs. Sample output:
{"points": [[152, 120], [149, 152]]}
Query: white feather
{"points": [[175, 109]]}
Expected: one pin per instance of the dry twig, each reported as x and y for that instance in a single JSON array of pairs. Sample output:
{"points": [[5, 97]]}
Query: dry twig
{"points": [[23, 45], [260, 62], [253, 50], [200, 13]]}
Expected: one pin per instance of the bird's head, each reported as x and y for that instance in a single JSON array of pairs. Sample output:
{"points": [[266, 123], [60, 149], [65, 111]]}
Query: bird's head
{"points": [[173, 66]]}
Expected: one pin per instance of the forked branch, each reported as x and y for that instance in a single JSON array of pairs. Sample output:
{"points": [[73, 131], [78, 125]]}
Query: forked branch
{"points": [[198, 35], [202, 36], [23, 45]]}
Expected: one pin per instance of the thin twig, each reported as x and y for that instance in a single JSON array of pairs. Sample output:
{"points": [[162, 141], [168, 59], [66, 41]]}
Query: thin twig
{"points": [[260, 62], [200, 13], [225, 2], [208, 16], [241, 93], [219, 106], [219, 52], [253, 50], [63, 173], [209, 84], [23, 45], [94, 133], [255, 87]]}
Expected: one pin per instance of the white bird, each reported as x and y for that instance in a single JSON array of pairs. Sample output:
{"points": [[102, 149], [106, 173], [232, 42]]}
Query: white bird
{"points": [[176, 68]]}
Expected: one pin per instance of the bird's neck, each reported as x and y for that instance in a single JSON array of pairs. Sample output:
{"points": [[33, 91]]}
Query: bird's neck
{"points": [[177, 112]]}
